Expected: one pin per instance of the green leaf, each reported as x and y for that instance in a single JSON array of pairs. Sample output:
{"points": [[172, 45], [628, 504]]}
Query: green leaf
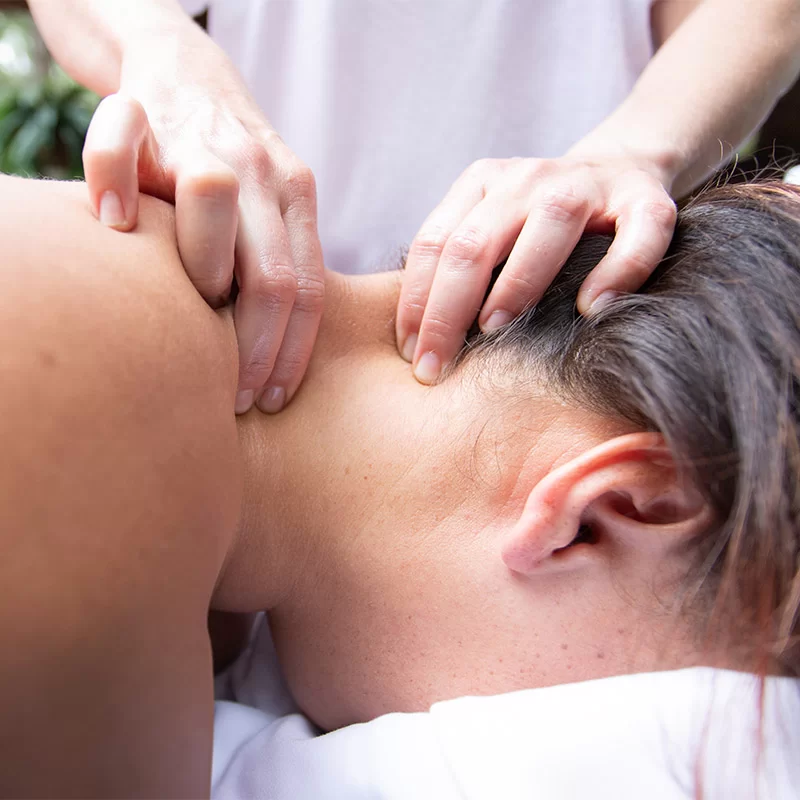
{"points": [[72, 142], [37, 134], [8, 102], [78, 117], [10, 124]]}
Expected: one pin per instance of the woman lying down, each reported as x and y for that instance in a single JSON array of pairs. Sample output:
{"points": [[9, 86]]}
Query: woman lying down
{"points": [[576, 500]]}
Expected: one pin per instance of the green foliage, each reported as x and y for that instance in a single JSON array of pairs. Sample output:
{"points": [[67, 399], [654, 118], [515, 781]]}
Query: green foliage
{"points": [[44, 115], [42, 132]]}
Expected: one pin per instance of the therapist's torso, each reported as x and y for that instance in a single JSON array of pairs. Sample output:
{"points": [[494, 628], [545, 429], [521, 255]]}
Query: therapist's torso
{"points": [[388, 101]]}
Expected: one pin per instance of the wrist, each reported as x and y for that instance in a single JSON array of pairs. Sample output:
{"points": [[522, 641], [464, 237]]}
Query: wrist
{"points": [[149, 26], [663, 160], [175, 54]]}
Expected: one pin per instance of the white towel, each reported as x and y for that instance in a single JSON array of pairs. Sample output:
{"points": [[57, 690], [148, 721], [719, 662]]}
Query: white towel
{"points": [[657, 736]]}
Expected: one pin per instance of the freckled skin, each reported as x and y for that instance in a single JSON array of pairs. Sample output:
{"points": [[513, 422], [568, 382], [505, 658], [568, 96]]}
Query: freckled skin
{"points": [[402, 592]]}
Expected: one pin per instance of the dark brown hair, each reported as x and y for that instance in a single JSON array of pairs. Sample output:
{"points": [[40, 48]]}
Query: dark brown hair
{"points": [[707, 353]]}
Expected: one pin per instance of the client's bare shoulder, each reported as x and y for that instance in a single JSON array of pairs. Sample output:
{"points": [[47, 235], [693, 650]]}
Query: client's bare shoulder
{"points": [[111, 350], [51, 237]]}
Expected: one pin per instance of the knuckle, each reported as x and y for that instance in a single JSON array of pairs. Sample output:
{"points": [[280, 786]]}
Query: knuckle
{"points": [[429, 242], [437, 327], [482, 166], [291, 362], [638, 264], [412, 306], [468, 245], [521, 287], [255, 371], [537, 168], [217, 183], [478, 172], [258, 159], [564, 205], [234, 146], [119, 109], [310, 294], [662, 211], [119, 101], [269, 137], [415, 295], [300, 183], [525, 174], [103, 157], [410, 315], [519, 164], [275, 285]]}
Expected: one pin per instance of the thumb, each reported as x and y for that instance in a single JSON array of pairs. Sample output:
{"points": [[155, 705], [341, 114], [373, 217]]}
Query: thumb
{"points": [[119, 145]]}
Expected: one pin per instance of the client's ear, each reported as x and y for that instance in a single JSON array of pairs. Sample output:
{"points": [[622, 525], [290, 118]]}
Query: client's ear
{"points": [[626, 487]]}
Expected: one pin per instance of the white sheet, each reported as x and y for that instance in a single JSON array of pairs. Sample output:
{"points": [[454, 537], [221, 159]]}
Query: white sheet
{"points": [[633, 736]]}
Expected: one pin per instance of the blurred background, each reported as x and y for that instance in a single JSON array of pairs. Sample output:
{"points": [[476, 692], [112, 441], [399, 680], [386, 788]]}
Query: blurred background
{"points": [[44, 115]]}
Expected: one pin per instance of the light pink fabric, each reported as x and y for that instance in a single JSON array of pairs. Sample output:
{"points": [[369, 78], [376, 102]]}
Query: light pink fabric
{"points": [[388, 101]]}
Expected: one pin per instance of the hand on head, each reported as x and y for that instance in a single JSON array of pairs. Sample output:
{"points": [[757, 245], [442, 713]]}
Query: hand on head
{"points": [[531, 212]]}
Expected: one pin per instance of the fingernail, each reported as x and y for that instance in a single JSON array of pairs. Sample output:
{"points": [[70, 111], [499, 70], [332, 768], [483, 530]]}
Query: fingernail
{"points": [[409, 347], [112, 213], [244, 401], [428, 368], [272, 400], [496, 320], [602, 300]]}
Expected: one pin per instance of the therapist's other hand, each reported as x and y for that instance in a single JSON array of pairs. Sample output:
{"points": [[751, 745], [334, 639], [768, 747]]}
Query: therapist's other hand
{"points": [[184, 128], [532, 212]]}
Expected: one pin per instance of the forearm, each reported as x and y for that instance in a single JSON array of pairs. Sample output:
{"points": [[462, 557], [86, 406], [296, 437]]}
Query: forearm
{"points": [[90, 38], [710, 85]]}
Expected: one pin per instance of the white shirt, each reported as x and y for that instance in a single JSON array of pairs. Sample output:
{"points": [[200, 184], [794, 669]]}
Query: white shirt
{"points": [[388, 101]]}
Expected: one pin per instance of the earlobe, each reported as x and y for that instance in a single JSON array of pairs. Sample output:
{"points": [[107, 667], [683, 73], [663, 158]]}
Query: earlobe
{"points": [[628, 486]]}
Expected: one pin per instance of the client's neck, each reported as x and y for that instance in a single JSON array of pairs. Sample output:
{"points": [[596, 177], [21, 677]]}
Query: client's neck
{"points": [[294, 461]]}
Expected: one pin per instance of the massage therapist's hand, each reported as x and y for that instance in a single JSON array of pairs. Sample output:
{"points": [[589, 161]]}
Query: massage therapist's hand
{"points": [[532, 212], [183, 128]]}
